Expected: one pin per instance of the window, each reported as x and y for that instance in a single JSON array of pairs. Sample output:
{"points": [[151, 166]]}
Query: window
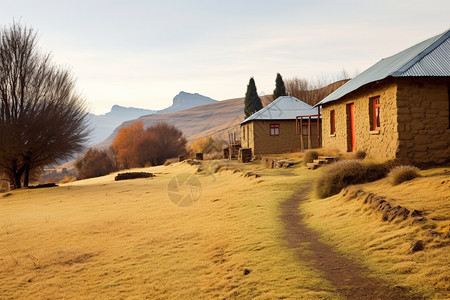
{"points": [[274, 129], [332, 122], [375, 113]]}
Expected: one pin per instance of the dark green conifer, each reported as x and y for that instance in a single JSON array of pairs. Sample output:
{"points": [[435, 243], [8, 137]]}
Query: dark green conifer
{"points": [[280, 89], [252, 100]]}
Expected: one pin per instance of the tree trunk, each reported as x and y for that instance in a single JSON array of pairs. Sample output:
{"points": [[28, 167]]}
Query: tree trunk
{"points": [[26, 176], [16, 180]]}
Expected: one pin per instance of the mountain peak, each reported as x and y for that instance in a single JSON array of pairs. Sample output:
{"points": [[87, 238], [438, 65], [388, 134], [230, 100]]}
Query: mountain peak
{"points": [[185, 100]]}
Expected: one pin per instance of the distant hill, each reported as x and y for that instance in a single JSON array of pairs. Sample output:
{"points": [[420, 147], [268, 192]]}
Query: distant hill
{"points": [[212, 119], [103, 125], [184, 101]]}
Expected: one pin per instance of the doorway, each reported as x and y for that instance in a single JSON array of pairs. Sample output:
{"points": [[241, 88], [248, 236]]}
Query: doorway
{"points": [[350, 127]]}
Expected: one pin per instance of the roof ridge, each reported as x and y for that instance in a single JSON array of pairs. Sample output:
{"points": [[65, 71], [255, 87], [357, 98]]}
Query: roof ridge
{"points": [[442, 37]]}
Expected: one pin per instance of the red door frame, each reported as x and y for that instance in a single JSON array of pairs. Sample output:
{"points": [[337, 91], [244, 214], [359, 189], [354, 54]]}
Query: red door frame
{"points": [[352, 125]]}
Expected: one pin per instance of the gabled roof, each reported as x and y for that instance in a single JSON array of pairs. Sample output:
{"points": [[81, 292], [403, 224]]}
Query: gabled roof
{"points": [[283, 108], [429, 58]]}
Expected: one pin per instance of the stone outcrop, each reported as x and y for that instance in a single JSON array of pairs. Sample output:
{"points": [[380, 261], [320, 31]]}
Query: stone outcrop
{"points": [[384, 206]]}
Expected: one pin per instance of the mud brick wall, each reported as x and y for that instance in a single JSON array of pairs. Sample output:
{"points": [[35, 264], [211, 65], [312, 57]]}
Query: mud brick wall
{"points": [[414, 121], [257, 137], [423, 114], [379, 144]]}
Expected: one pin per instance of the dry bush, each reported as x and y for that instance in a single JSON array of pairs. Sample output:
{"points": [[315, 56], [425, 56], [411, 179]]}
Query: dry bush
{"points": [[124, 142], [96, 163], [205, 145], [139, 147], [169, 143], [400, 174], [339, 175], [333, 152], [67, 179], [310, 156]]}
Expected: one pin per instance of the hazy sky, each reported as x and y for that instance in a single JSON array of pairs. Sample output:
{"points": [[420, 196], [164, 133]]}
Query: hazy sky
{"points": [[142, 53]]}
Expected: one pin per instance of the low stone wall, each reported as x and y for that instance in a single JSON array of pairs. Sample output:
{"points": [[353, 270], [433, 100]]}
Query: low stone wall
{"points": [[383, 206]]}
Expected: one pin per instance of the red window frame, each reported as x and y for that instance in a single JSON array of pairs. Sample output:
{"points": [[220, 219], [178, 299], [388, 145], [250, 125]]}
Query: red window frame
{"points": [[376, 110], [274, 129], [332, 122]]}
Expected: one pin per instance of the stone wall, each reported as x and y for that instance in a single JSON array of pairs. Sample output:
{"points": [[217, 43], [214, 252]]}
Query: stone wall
{"points": [[379, 144], [423, 115]]}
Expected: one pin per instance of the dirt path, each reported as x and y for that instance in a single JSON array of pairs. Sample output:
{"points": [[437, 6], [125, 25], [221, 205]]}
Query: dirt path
{"points": [[350, 278]]}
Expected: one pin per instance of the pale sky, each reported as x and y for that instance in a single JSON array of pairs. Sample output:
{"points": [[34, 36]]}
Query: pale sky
{"points": [[142, 53]]}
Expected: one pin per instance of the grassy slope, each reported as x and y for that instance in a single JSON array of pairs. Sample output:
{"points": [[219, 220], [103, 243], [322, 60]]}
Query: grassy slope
{"points": [[101, 238], [384, 247]]}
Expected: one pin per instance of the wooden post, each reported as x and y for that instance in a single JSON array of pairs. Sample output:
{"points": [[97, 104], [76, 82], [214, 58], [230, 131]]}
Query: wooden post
{"points": [[319, 144], [309, 132], [302, 146]]}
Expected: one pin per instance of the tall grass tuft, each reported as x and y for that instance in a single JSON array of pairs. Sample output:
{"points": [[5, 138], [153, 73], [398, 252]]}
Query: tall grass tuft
{"points": [[403, 173], [310, 156], [346, 172]]}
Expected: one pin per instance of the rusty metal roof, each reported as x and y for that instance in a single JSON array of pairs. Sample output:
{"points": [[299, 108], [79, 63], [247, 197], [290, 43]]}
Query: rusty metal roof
{"points": [[430, 58], [283, 108]]}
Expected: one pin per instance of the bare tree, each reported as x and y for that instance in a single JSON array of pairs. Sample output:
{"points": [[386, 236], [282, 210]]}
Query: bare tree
{"points": [[42, 118], [312, 91]]}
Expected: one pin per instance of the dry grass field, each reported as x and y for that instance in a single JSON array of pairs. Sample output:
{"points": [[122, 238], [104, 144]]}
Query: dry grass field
{"points": [[100, 238], [384, 247]]}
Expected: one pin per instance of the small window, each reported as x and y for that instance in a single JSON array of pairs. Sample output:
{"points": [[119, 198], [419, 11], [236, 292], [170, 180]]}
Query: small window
{"points": [[332, 122], [274, 129], [375, 113]]}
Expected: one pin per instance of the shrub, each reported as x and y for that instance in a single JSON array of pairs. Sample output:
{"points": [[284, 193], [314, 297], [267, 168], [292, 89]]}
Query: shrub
{"points": [[403, 173], [310, 156], [96, 163], [339, 175], [67, 179], [375, 171], [205, 145], [346, 172]]}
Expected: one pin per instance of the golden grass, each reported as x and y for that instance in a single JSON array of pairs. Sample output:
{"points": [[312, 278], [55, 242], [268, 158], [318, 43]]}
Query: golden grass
{"points": [[98, 238], [384, 247]]}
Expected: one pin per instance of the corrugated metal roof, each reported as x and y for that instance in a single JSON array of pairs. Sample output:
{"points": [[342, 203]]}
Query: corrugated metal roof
{"points": [[428, 58], [283, 108]]}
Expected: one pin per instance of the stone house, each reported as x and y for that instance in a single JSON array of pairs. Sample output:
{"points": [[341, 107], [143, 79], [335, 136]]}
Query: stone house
{"points": [[273, 129], [396, 109]]}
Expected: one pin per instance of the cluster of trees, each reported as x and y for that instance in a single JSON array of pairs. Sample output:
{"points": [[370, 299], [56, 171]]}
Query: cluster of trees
{"points": [[42, 118], [253, 102], [134, 146]]}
